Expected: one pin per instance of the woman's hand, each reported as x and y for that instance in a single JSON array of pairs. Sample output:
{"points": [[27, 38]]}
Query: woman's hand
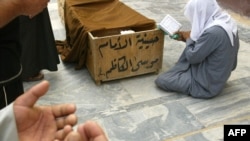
{"points": [[182, 35]]}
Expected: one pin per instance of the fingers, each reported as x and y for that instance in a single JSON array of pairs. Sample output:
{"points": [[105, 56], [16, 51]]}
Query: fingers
{"points": [[63, 110], [74, 136], [181, 35], [176, 36], [92, 131], [30, 97], [68, 120], [61, 134]]}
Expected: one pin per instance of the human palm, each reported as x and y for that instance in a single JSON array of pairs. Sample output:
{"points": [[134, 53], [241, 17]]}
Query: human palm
{"points": [[44, 123]]}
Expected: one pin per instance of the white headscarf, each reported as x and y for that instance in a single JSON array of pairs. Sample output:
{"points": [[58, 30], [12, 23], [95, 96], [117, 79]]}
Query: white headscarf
{"points": [[207, 13]]}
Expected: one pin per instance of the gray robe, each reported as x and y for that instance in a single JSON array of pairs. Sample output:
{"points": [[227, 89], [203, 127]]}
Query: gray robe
{"points": [[204, 66]]}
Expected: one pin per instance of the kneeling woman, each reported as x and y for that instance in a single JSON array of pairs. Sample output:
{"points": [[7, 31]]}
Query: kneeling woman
{"points": [[210, 54]]}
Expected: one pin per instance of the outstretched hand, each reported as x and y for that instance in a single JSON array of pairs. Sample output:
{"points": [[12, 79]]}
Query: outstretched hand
{"points": [[46, 123]]}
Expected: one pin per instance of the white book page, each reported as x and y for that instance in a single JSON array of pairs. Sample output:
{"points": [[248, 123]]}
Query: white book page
{"points": [[170, 25]]}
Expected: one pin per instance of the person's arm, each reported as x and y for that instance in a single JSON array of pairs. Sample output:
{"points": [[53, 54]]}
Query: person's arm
{"points": [[8, 130], [197, 51], [10, 9]]}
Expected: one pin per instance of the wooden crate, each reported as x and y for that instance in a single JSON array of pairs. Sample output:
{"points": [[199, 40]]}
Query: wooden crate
{"points": [[112, 55]]}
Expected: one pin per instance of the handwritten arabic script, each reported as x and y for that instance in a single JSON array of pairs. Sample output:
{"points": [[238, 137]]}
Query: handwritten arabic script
{"points": [[127, 55]]}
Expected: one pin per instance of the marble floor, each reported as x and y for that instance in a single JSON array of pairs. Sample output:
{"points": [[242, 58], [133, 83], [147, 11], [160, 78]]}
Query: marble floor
{"points": [[134, 109]]}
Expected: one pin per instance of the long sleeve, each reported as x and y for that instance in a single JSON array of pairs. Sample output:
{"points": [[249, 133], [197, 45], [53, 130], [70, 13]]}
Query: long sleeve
{"points": [[197, 52], [8, 130], [212, 62]]}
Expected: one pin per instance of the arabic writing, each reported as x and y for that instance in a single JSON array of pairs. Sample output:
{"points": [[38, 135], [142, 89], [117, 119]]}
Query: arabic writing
{"points": [[142, 41], [123, 64], [127, 42], [130, 53]]}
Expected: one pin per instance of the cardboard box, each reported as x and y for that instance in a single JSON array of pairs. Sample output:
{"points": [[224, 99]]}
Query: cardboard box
{"points": [[112, 55]]}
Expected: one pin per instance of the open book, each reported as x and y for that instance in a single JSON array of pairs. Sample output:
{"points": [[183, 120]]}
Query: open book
{"points": [[169, 25]]}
